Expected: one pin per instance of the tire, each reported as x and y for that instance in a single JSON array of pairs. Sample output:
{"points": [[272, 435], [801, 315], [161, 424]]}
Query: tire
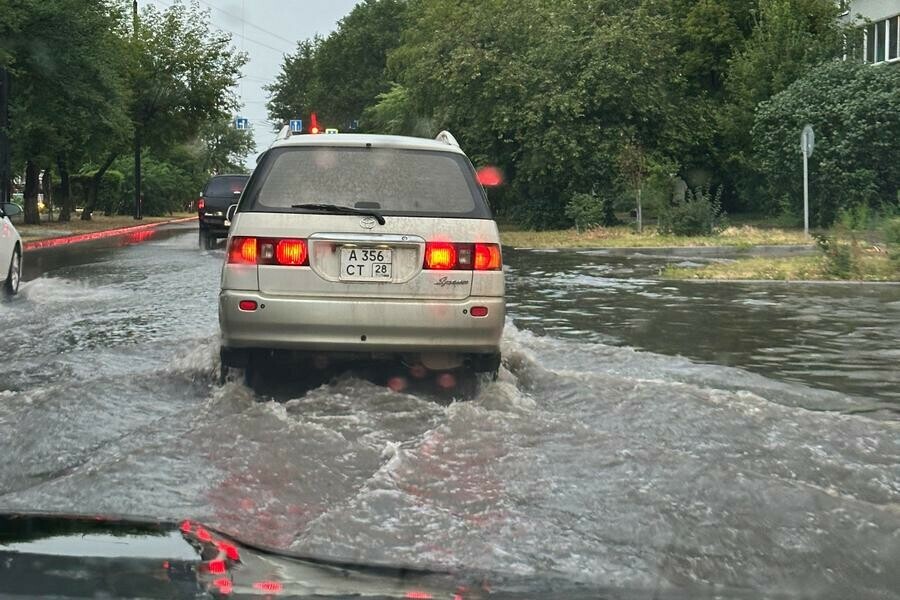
{"points": [[14, 276], [207, 239]]}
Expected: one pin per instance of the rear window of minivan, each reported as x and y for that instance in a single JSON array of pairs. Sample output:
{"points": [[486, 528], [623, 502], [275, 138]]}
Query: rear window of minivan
{"points": [[391, 181]]}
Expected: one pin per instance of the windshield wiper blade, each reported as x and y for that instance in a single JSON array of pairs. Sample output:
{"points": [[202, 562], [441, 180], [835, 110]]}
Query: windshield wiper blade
{"points": [[346, 210]]}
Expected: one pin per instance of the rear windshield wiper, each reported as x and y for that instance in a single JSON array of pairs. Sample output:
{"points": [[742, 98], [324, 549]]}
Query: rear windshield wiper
{"points": [[343, 210]]}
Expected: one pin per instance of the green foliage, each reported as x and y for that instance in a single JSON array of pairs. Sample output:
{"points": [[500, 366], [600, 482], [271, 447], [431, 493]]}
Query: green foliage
{"points": [[182, 74], [588, 211], [855, 110], [221, 148], [842, 259], [167, 186], [700, 213], [891, 229], [338, 77], [109, 192], [66, 59], [392, 114], [788, 38], [550, 91]]}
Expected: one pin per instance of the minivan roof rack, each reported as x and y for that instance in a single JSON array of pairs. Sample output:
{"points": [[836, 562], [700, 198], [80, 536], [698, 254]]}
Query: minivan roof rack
{"points": [[447, 138]]}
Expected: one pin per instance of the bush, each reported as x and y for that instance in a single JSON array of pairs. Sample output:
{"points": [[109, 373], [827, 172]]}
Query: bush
{"points": [[590, 210], [166, 186], [841, 258], [109, 194], [892, 239], [855, 111], [700, 213]]}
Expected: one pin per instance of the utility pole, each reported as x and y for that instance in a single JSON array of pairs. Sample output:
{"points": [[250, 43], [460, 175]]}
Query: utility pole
{"points": [[5, 168], [138, 209]]}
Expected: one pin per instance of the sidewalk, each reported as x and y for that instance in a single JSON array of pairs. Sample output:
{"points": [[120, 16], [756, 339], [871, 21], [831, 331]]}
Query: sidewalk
{"points": [[48, 235]]}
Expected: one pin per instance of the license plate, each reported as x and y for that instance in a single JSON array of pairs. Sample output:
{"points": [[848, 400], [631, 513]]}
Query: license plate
{"points": [[366, 264]]}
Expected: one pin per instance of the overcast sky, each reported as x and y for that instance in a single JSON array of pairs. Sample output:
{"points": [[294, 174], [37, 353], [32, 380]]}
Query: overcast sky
{"points": [[266, 30]]}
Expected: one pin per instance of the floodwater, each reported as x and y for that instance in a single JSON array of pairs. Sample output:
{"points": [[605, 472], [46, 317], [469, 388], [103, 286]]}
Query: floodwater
{"points": [[642, 434]]}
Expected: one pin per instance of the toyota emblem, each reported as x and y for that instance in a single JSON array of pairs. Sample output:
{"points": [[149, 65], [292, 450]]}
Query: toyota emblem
{"points": [[368, 223]]}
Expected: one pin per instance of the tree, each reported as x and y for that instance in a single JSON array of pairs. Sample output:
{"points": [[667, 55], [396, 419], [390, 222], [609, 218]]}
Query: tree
{"points": [[181, 74], [67, 94], [548, 91], [789, 38], [855, 111], [221, 148], [295, 90], [338, 77]]}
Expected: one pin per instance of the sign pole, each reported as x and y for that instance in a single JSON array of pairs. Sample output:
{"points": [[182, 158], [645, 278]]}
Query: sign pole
{"points": [[805, 194], [807, 144]]}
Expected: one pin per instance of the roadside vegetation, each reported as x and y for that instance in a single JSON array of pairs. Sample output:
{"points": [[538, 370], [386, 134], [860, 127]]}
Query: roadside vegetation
{"points": [[562, 98], [88, 81], [847, 253], [743, 236]]}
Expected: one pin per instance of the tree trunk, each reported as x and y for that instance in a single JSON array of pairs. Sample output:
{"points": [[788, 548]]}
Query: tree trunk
{"points": [[47, 190], [94, 186], [32, 216], [65, 191]]}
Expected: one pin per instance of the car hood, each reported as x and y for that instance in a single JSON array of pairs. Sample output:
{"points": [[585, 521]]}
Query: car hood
{"points": [[77, 556]]}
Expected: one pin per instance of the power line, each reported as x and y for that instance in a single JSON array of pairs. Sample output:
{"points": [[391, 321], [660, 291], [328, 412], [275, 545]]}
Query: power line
{"points": [[249, 39], [248, 24]]}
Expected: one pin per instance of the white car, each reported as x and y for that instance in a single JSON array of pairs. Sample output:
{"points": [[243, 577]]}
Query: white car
{"points": [[10, 249], [348, 245]]}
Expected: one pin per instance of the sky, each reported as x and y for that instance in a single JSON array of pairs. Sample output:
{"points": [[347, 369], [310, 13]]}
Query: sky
{"points": [[267, 30]]}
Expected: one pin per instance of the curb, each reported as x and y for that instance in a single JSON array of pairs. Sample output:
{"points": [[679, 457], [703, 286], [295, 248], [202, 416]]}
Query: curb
{"points": [[98, 235]]}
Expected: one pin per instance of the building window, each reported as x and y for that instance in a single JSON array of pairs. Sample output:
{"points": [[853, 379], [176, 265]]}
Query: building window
{"points": [[894, 38], [882, 40]]}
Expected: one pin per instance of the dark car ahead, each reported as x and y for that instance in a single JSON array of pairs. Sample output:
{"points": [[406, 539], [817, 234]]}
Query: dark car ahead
{"points": [[220, 192]]}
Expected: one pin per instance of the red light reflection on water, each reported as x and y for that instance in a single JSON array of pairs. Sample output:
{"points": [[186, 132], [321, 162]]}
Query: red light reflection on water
{"points": [[271, 587]]}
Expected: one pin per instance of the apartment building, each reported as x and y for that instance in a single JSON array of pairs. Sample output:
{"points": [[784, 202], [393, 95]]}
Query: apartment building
{"points": [[881, 19]]}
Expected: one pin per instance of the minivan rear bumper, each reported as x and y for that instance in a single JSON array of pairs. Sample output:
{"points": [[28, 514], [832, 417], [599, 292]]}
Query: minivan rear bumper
{"points": [[360, 325]]}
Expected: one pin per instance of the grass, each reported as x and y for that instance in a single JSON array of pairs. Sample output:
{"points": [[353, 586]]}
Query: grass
{"points": [[52, 229], [624, 237], [872, 265]]}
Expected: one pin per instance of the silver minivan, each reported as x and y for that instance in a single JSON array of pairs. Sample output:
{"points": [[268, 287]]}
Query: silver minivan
{"points": [[347, 247]]}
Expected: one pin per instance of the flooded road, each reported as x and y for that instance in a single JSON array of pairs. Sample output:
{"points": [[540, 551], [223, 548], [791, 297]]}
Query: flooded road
{"points": [[642, 434]]}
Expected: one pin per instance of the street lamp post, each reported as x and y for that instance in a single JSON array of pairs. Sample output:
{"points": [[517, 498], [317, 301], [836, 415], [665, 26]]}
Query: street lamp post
{"points": [[138, 209], [5, 170]]}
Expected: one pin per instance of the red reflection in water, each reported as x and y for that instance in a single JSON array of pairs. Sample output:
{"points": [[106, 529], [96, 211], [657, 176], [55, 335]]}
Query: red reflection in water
{"points": [[217, 567], [203, 535], [398, 384], [225, 586], [272, 587], [446, 381], [230, 551], [418, 595]]}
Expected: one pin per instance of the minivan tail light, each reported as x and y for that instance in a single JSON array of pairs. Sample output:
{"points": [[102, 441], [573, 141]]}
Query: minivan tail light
{"points": [[290, 252], [445, 256], [440, 256], [242, 250], [487, 257], [201, 204]]}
